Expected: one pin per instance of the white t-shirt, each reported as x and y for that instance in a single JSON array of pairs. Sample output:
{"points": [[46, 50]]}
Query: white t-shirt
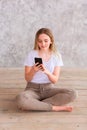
{"points": [[39, 76]]}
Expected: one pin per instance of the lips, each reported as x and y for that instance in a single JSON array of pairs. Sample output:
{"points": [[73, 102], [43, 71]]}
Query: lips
{"points": [[43, 46]]}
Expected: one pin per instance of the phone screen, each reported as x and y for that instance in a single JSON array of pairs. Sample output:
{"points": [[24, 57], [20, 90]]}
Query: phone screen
{"points": [[39, 60]]}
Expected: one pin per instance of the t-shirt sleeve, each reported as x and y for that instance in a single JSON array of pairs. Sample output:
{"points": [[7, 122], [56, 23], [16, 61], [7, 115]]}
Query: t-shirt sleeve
{"points": [[58, 60], [29, 61]]}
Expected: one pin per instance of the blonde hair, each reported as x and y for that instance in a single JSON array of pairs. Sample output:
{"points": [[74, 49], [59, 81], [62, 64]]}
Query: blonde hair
{"points": [[47, 32]]}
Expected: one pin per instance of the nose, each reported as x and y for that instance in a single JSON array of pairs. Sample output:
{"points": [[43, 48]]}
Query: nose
{"points": [[43, 43]]}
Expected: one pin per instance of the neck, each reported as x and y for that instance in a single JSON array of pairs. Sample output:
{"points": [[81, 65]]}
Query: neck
{"points": [[45, 54], [44, 51]]}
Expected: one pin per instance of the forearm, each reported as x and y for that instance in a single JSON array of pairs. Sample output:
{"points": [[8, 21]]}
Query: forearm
{"points": [[52, 77], [30, 71], [29, 75]]}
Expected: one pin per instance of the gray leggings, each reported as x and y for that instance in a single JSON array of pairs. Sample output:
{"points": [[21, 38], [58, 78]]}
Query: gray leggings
{"points": [[43, 96]]}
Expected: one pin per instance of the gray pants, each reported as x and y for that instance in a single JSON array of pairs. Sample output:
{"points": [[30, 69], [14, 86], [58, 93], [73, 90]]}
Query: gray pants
{"points": [[43, 96]]}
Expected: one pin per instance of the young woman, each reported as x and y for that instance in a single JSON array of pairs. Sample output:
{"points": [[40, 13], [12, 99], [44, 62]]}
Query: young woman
{"points": [[41, 94]]}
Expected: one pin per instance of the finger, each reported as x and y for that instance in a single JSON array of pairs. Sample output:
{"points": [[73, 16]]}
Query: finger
{"points": [[37, 64], [41, 67]]}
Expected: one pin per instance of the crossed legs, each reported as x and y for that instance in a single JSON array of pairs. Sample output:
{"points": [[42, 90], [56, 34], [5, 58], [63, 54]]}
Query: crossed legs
{"points": [[54, 99]]}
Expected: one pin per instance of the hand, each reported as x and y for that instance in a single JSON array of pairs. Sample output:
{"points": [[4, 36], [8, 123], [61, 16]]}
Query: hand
{"points": [[37, 67], [44, 69]]}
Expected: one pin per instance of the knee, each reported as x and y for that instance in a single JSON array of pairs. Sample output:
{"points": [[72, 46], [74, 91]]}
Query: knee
{"points": [[73, 94], [20, 101]]}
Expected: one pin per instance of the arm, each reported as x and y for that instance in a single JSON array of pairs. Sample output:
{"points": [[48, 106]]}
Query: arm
{"points": [[53, 77], [30, 71]]}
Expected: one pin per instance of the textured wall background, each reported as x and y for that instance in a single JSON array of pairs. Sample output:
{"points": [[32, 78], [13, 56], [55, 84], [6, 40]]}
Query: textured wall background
{"points": [[20, 19]]}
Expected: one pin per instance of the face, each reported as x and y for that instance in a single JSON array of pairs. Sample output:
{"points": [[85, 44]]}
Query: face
{"points": [[44, 41]]}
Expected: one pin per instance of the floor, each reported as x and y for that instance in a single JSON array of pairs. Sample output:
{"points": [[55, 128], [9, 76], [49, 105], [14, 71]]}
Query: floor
{"points": [[12, 82]]}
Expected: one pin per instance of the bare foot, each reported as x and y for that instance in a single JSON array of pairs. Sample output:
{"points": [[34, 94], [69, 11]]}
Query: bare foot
{"points": [[62, 108]]}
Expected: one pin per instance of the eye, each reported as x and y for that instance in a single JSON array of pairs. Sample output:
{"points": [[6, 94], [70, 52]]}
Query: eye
{"points": [[39, 41], [46, 40]]}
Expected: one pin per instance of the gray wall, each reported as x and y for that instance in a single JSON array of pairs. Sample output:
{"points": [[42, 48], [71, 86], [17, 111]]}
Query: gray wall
{"points": [[20, 19]]}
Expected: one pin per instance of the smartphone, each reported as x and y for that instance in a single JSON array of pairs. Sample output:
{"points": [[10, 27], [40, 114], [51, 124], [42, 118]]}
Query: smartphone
{"points": [[39, 60]]}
